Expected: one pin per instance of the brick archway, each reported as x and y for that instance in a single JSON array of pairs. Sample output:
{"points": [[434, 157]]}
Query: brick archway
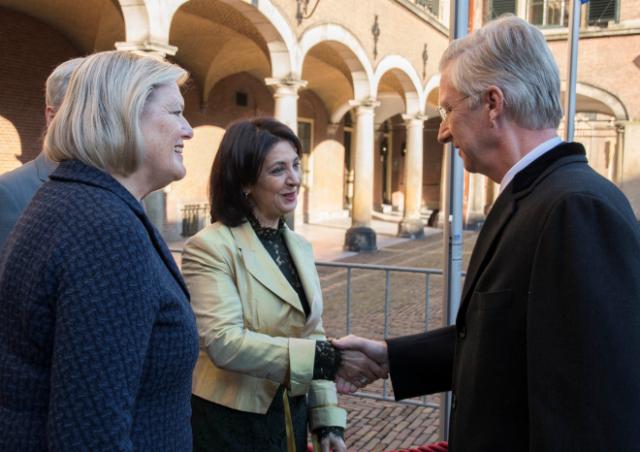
{"points": [[29, 51]]}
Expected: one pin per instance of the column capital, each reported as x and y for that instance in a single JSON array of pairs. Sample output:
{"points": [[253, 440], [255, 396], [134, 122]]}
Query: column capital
{"points": [[369, 102], [289, 82], [620, 125], [414, 118], [147, 48], [285, 96]]}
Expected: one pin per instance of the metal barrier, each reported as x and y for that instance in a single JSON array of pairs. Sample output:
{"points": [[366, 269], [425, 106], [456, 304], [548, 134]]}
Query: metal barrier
{"points": [[387, 269], [193, 218], [427, 272]]}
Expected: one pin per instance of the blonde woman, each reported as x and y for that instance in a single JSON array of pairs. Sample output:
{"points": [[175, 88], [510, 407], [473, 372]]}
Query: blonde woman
{"points": [[97, 339]]}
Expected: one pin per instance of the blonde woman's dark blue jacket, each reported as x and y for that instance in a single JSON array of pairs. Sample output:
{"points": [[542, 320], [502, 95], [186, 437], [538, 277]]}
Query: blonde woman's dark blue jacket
{"points": [[97, 338]]}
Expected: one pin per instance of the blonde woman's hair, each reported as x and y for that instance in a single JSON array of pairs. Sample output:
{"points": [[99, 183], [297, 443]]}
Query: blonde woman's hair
{"points": [[98, 122]]}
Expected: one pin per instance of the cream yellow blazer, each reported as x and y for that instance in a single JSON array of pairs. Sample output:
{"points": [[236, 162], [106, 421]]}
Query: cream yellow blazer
{"points": [[252, 327]]}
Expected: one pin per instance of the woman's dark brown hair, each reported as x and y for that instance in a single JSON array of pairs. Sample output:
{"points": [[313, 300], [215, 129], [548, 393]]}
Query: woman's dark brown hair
{"points": [[237, 165]]}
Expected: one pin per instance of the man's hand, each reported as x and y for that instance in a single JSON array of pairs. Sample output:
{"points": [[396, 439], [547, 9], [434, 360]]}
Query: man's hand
{"points": [[362, 362]]}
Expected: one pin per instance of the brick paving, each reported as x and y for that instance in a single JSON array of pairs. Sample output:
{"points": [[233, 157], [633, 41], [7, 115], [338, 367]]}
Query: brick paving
{"points": [[375, 425]]}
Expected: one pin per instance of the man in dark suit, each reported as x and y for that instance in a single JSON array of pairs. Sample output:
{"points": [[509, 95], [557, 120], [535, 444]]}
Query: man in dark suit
{"points": [[17, 187], [543, 356]]}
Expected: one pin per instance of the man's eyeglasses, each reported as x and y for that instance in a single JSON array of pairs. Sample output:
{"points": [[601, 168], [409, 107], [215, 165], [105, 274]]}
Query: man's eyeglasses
{"points": [[444, 112]]}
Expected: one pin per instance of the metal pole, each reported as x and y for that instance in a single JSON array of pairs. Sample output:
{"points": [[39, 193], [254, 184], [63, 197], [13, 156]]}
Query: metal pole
{"points": [[427, 294], [348, 300], [452, 271], [387, 310], [572, 70]]}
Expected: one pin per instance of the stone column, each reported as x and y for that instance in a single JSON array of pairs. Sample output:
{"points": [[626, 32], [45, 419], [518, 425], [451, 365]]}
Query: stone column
{"points": [[615, 165], [148, 25], [440, 219], [476, 201], [629, 162], [521, 9], [360, 237], [491, 190], [286, 99], [411, 225], [286, 111]]}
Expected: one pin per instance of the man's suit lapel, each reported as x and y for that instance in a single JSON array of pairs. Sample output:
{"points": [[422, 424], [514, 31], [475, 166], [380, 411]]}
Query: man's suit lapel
{"points": [[506, 205], [262, 267], [497, 219]]}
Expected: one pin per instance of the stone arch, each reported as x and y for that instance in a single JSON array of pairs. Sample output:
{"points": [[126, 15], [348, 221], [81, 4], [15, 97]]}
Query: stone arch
{"points": [[407, 77], [390, 106], [430, 90], [601, 101], [349, 49], [236, 37], [95, 25], [147, 25], [339, 112], [275, 30]]}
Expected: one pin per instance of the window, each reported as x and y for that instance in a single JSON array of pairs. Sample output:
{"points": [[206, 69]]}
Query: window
{"points": [[304, 134], [602, 11], [242, 99], [555, 13], [549, 13], [432, 6], [499, 7]]}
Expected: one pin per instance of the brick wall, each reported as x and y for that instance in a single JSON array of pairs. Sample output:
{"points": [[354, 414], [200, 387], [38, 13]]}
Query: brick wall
{"points": [[629, 10], [29, 50], [401, 31], [607, 63]]}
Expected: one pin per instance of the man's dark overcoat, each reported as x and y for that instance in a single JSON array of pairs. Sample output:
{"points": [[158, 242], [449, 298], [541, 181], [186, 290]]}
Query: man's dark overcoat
{"points": [[544, 354]]}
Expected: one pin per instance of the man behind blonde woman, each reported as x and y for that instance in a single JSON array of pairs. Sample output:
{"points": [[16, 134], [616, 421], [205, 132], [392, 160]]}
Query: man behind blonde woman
{"points": [[17, 187]]}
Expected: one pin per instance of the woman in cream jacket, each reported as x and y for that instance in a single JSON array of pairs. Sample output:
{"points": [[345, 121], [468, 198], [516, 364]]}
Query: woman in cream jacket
{"points": [[258, 304]]}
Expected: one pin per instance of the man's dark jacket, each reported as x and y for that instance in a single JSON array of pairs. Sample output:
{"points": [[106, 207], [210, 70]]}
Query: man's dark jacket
{"points": [[545, 351]]}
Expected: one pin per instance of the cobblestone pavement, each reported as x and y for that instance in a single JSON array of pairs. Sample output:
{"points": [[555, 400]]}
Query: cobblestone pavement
{"points": [[375, 425]]}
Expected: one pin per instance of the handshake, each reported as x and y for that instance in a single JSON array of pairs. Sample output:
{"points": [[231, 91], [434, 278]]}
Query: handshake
{"points": [[363, 361]]}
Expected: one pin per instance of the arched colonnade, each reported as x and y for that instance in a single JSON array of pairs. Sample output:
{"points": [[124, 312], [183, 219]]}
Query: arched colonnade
{"points": [[363, 119]]}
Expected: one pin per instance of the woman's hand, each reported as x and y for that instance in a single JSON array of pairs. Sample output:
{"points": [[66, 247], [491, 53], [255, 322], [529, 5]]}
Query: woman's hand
{"points": [[362, 362], [332, 442], [344, 387]]}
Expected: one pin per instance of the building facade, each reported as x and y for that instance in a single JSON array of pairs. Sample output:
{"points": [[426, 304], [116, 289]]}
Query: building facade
{"points": [[607, 92], [357, 79]]}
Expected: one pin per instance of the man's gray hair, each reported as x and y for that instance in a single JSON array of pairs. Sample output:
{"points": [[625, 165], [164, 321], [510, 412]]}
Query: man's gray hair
{"points": [[57, 82], [513, 55]]}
